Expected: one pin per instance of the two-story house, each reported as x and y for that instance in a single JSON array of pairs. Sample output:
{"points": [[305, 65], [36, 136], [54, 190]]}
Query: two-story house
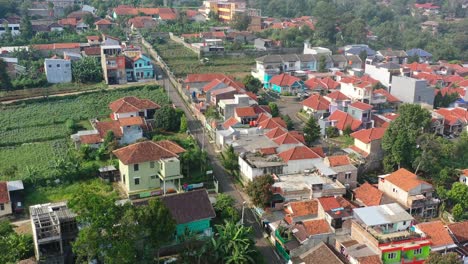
{"points": [[316, 106], [362, 112], [343, 170], [58, 70], [338, 101], [5, 203], [149, 168], [368, 144], [143, 67], [356, 89], [11, 197], [415, 195], [131, 106], [286, 83], [387, 230], [10, 24], [113, 64], [393, 56], [464, 176], [341, 121]]}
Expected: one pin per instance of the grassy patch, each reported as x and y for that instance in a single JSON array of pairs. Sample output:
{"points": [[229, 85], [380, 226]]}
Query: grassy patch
{"points": [[64, 192], [344, 141]]}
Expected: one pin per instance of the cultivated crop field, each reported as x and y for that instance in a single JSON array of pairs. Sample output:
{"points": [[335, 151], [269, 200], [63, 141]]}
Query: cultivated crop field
{"points": [[183, 61], [34, 132]]}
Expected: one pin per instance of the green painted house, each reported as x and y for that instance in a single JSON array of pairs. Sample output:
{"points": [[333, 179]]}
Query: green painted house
{"points": [[149, 168], [192, 212]]}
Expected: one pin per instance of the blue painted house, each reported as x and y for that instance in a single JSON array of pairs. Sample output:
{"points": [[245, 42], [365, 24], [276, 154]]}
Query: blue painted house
{"points": [[143, 68], [286, 83], [192, 212]]}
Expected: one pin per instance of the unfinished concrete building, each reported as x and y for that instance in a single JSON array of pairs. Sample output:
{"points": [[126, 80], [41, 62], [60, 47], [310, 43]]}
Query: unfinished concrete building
{"points": [[54, 228]]}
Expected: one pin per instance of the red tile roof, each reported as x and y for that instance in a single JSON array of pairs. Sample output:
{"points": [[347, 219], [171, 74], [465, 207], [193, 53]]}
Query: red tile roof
{"points": [[319, 151], [298, 135], [368, 135], [267, 151], [286, 138], [453, 115], [91, 139], [329, 203], [344, 120], [4, 195], [460, 231], [427, 6], [103, 22], [204, 77], [92, 51], [361, 106], [275, 132], [141, 21], [272, 123], [284, 80], [131, 121], [390, 97], [171, 146], [72, 21], [316, 102], [373, 259], [105, 126], [56, 46], [317, 227], [245, 111], [303, 208], [143, 152], [368, 194], [404, 179], [437, 233], [298, 153], [262, 117], [230, 122], [339, 160], [132, 104], [337, 95], [330, 83], [418, 67], [92, 38]]}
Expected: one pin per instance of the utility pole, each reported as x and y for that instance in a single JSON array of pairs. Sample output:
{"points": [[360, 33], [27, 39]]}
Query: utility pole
{"points": [[243, 209]]}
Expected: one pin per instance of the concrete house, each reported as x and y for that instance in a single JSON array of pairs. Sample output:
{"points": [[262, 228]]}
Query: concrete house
{"points": [[424, 56], [286, 83], [440, 237], [11, 24], [149, 168], [415, 195], [341, 169], [227, 107], [58, 70], [131, 106], [383, 72], [363, 112], [113, 64], [368, 144], [5, 202], [464, 176], [299, 158], [341, 121], [316, 106], [393, 56], [191, 211], [413, 91], [356, 89], [143, 67], [338, 101]]}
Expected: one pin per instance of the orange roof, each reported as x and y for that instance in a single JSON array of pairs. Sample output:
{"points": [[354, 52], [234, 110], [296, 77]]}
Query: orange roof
{"points": [[211, 85], [317, 227], [437, 233], [275, 132], [460, 231], [340, 160], [105, 126], [4, 195], [420, 67], [337, 95], [286, 138], [373, 259], [329, 203], [272, 123], [316, 102], [230, 122], [367, 78], [404, 179], [103, 22], [171, 146], [262, 117], [267, 151], [319, 151], [389, 96], [303, 208], [167, 16], [298, 135], [131, 121], [245, 111], [284, 80], [143, 152], [465, 172], [361, 106], [298, 153], [90, 139], [344, 120], [453, 115], [368, 194], [369, 135], [132, 104], [56, 46], [72, 21], [203, 77], [92, 37]]}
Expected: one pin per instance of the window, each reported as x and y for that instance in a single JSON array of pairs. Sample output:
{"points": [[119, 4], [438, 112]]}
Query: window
{"points": [[123, 178], [2, 207], [50, 65], [148, 63], [419, 98], [153, 177], [136, 181], [136, 64], [404, 222], [392, 255], [395, 190], [347, 175], [67, 65], [418, 251], [152, 164], [58, 65], [136, 167]]}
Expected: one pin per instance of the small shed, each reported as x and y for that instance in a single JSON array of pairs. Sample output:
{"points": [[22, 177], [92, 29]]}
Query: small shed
{"points": [[109, 173], [16, 190]]}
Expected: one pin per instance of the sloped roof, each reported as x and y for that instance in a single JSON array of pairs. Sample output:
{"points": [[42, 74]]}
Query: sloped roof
{"points": [[189, 206], [131, 121], [418, 52], [203, 77], [316, 102], [369, 135], [390, 98], [286, 138], [284, 80], [90, 139], [230, 122], [321, 254], [344, 120], [143, 152], [171, 146], [317, 227], [245, 111], [275, 132], [361, 106], [337, 95], [298, 153], [4, 195], [303, 208], [339, 160], [132, 104], [272, 123], [105, 126], [437, 233], [460, 231], [103, 22], [329, 203], [368, 194], [404, 179]]}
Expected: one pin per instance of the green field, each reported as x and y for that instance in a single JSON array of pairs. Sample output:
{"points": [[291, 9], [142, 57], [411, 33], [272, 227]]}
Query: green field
{"points": [[34, 133], [183, 61]]}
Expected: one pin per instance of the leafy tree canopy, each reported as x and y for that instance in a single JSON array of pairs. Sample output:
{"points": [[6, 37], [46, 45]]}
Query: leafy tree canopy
{"points": [[260, 190]]}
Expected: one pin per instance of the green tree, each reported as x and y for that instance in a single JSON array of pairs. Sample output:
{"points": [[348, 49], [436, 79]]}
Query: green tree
{"points": [[212, 113], [183, 124], [88, 19], [229, 160], [259, 189], [399, 142], [414, 58], [322, 64], [241, 21], [311, 131], [289, 122], [331, 132], [5, 82], [87, 70], [274, 109], [224, 207], [251, 83], [166, 118], [14, 247], [26, 27], [459, 194], [448, 258], [458, 212], [355, 31]]}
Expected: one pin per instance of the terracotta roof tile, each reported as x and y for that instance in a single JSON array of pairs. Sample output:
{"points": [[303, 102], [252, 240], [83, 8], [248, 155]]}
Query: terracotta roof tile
{"points": [[339, 160], [389, 96], [368, 194], [361, 106], [90, 139], [319, 151], [298, 153], [368, 135], [230, 122], [131, 121], [344, 120], [374, 259], [437, 233], [171, 146], [275, 132], [105, 126], [103, 22], [132, 104], [329, 203], [56, 46], [321, 254], [338, 96], [317, 227], [271, 123], [298, 135], [4, 195], [284, 80], [262, 117], [203, 77], [92, 51], [303, 208], [316, 102], [245, 111], [286, 138], [142, 152], [404, 179], [267, 151], [460, 231]]}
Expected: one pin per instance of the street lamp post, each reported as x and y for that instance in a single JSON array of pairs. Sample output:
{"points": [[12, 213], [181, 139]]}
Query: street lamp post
{"points": [[243, 209]]}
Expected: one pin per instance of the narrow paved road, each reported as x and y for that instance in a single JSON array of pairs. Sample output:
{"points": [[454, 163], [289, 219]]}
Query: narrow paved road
{"points": [[225, 180]]}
